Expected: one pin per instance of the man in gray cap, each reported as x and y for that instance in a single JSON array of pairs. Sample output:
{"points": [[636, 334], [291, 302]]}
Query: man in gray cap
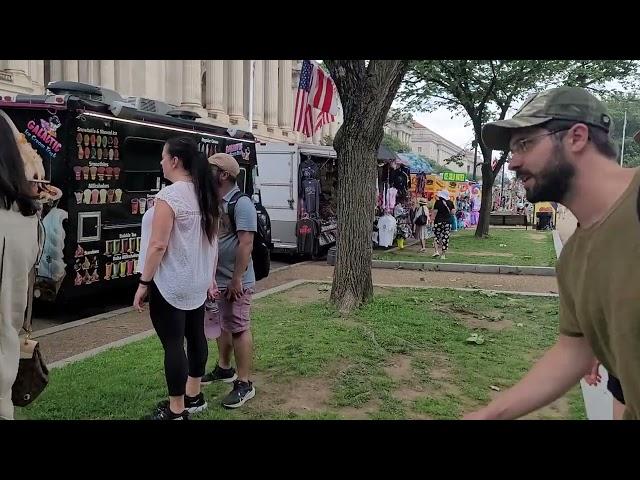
{"points": [[561, 150]]}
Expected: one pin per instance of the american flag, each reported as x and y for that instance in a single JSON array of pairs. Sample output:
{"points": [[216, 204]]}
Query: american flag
{"points": [[323, 93], [322, 118], [302, 119]]}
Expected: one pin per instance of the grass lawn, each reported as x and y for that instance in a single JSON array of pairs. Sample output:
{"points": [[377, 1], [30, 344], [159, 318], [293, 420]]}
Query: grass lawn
{"points": [[403, 356], [523, 248]]}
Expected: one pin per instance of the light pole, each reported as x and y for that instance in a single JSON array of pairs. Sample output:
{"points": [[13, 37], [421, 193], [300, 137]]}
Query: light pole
{"points": [[474, 144]]}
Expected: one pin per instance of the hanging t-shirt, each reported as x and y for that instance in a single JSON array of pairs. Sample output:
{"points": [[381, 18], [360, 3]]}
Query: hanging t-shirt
{"points": [[386, 230], [311, 195], [307, 170], [391, 197], [306, 232]]}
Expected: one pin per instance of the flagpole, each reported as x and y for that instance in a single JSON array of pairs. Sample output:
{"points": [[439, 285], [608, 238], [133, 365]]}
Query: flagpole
{"points": [[624, 129], [251, 70]]}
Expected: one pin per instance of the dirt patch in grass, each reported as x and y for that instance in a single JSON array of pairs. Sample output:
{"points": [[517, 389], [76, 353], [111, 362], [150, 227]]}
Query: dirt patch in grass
{"points": [[489, 321], [309, 293], [399, 367]]}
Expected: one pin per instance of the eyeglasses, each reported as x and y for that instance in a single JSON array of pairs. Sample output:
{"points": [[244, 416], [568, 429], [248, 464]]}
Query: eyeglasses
{"points": [[522, 145]]}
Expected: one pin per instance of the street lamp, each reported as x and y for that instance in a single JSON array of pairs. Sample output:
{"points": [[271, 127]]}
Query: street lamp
{"points": [[474, 144]]}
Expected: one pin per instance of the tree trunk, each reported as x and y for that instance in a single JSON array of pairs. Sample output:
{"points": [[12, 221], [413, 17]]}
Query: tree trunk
{"points": [[482, 230], [352, 282], [366, 93]]}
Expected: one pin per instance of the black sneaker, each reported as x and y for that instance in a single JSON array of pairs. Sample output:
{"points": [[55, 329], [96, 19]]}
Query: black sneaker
{"points": [[227, 375], [162, 412], [242, 391], [191, 404]]}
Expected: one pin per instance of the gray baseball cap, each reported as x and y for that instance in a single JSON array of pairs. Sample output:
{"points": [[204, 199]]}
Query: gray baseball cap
{"points": [[561, 103]]}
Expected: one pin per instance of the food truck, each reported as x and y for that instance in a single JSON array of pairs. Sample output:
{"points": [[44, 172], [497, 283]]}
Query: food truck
{"points": [[102, 153]]}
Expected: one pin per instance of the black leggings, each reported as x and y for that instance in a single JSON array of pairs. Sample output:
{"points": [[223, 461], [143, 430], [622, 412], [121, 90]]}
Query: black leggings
{"points": [[173, 326]]}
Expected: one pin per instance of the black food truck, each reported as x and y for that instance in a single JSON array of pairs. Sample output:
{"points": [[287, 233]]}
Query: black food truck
{"points": [[103, 153]]}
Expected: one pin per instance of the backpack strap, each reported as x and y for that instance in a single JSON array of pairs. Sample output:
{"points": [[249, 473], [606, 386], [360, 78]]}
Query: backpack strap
{"points": [[231, 208]]}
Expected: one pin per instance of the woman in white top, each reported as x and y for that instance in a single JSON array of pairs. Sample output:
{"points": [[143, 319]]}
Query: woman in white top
{"points": [[178, 257], [18, 254], [421, 222]]}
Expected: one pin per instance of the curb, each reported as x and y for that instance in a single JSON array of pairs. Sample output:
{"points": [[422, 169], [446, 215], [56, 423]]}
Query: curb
{"points": [[83, 321], [458, 289], [464, 267]]}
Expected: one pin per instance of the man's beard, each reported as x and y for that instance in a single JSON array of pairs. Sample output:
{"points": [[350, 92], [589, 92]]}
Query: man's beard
{"points": [[553, 183]]}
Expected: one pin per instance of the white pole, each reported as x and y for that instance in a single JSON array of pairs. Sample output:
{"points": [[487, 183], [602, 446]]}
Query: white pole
{"points": [[251, 67], [624, 129]]}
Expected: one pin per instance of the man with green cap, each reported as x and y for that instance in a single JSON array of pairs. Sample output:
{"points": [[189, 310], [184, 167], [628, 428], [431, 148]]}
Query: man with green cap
{"points": [[562, 151]]}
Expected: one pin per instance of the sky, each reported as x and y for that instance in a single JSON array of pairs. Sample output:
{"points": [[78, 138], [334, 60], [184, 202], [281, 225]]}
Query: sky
{"points": [[454, 129]]}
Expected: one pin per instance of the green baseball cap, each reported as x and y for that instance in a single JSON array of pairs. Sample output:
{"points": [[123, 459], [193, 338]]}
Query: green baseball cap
{"points": [[561, 103]]}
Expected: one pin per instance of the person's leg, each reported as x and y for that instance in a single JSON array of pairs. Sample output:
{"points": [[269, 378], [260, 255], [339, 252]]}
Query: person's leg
{"points": [[437, 231], [445, 238], [618, 409], [615, 388], [225, 348], [169, 323], [197, 349], [239, 324], [223, 370]]}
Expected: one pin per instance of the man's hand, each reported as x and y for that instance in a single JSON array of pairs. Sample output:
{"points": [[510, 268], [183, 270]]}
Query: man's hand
{"points": [[593, 378], [213, 293], [234, 290]]}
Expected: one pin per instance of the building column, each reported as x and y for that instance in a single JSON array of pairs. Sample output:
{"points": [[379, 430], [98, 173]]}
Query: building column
{"points": [[271, 95], [20, 67], [215, 90], [173, 84], [235, 92], [285, 105], [192, 88], [108, 74], [123, 77], [154, 79], [19, 70], [70, 70], [258, 94], [83, 71], [36, 67], [55, 70]]}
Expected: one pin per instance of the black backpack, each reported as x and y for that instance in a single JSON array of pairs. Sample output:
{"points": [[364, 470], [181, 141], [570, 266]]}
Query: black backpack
{"points": [[262, 245], [422, 218]]}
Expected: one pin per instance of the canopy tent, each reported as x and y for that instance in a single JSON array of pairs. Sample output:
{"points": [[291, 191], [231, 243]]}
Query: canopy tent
{"points": [[385, 154], [415, 162]]}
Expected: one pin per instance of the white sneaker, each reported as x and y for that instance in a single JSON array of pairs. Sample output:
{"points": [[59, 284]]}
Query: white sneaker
{"points": [[435, 255]]}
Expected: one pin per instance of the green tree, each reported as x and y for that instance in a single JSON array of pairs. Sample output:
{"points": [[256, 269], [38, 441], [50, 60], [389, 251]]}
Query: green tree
{"points": [[618, 104], [395, 144], [486, 90], [366, 89]]}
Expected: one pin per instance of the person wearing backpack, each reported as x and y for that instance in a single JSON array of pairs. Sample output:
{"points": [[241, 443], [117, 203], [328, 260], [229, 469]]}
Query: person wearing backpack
{"points": [[421, 223], [234, 282]]}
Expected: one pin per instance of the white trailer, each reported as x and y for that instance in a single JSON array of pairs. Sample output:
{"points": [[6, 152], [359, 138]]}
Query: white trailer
{"points": [[278, 183]]}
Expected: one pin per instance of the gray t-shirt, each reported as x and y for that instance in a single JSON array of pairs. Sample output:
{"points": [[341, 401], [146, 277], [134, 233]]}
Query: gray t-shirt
{"points": [[246, 220]]}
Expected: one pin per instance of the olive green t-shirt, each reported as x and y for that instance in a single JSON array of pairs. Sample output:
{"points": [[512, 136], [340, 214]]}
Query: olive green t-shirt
{"points": [[599, 283]]}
